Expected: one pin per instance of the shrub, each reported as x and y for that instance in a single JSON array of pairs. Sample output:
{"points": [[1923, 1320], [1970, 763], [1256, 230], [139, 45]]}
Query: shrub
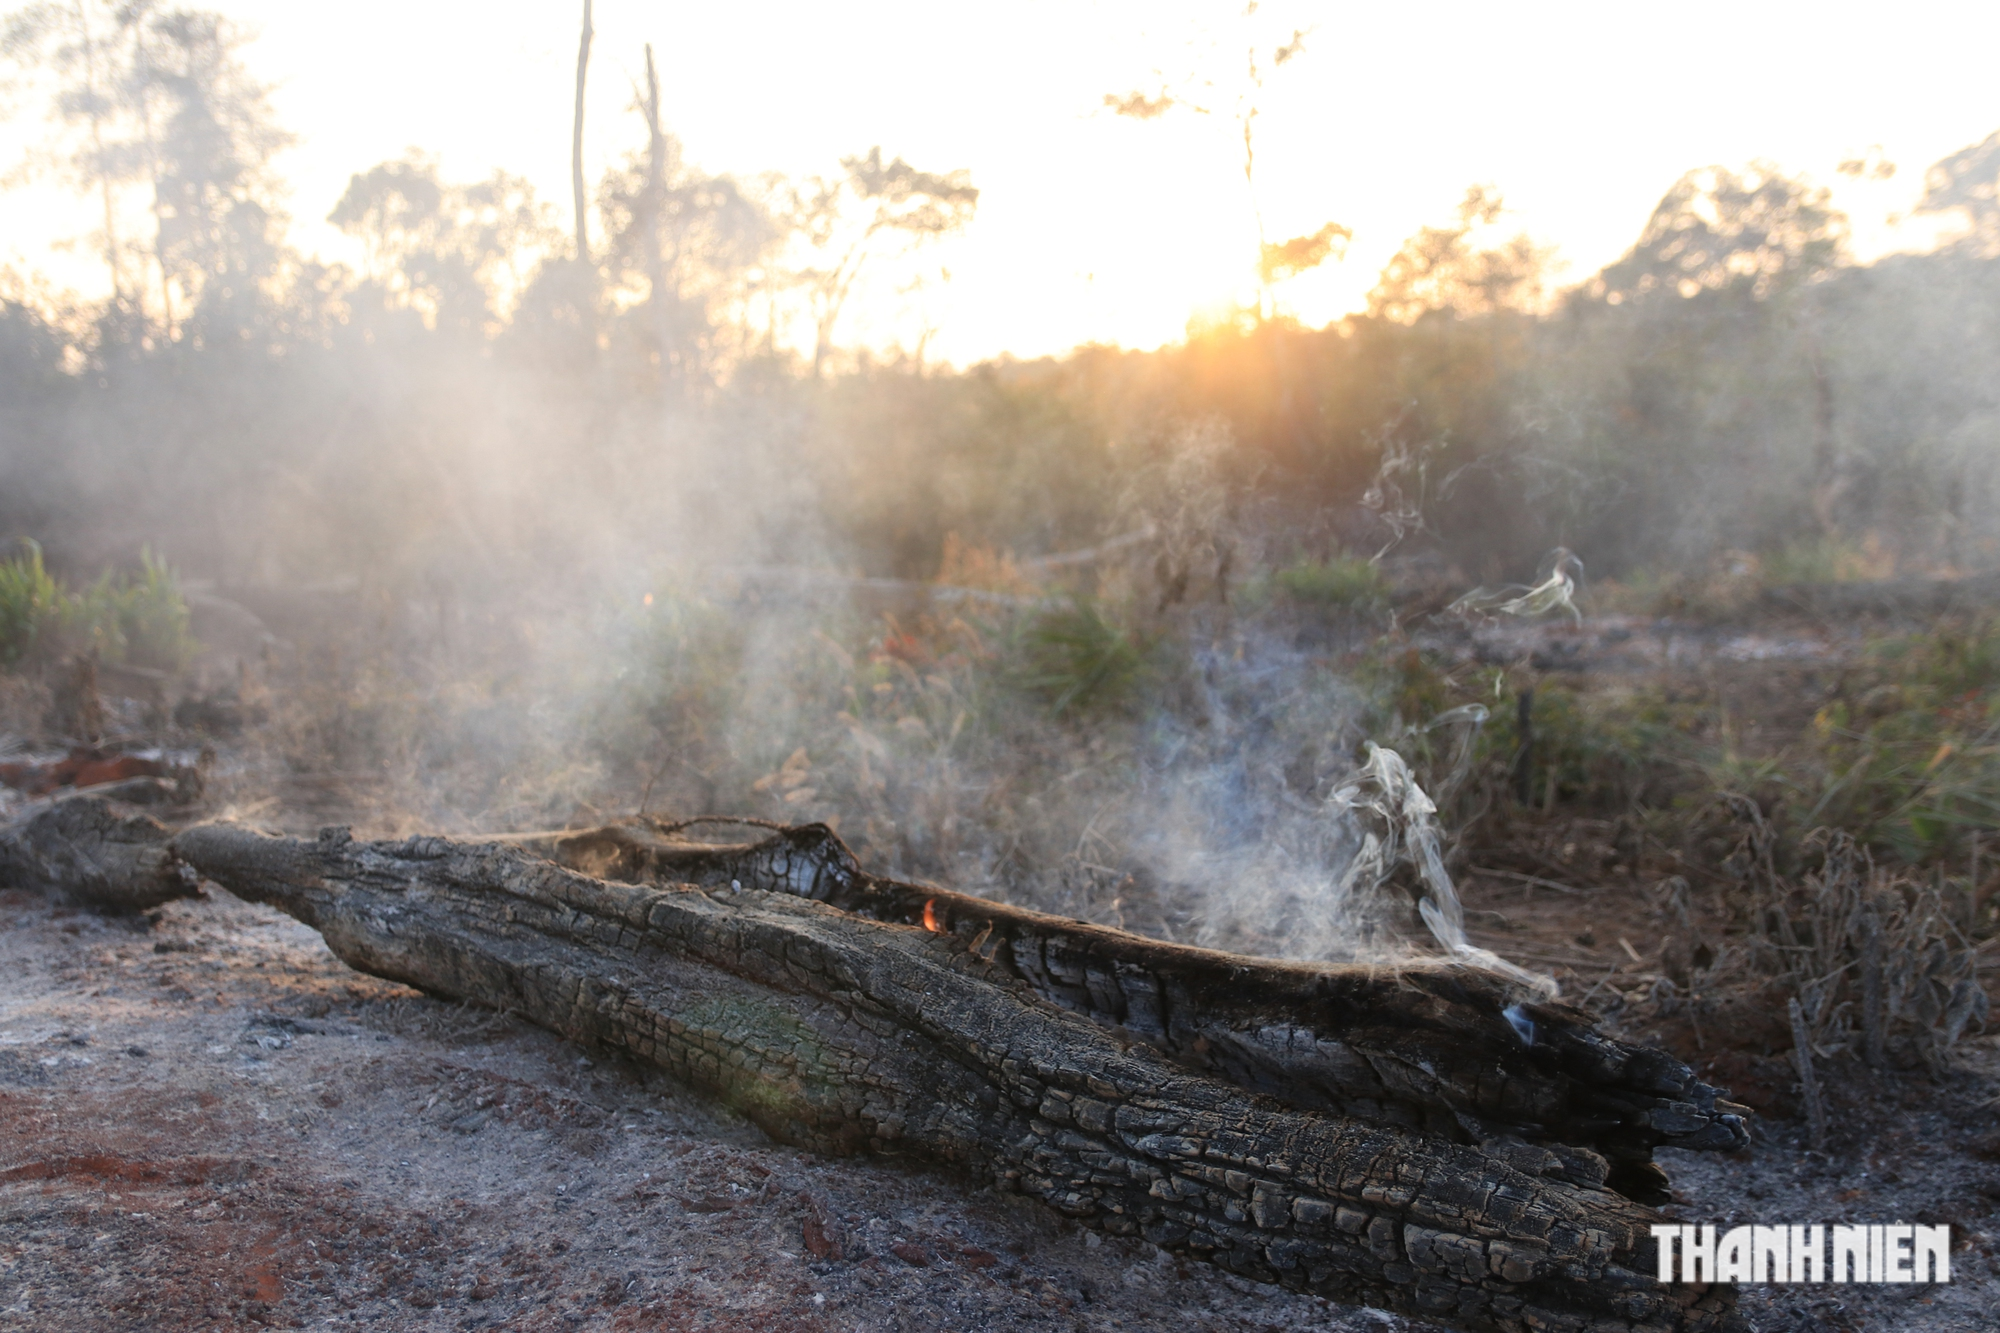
{"points": [[1824, 560], [140, 619], [1345, 583], [152, 617], [1076, 661], [1904, 755], [29, 600]]}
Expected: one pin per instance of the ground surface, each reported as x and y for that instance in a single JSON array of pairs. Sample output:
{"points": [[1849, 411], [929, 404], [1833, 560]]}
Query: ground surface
{"points": [[213, 1123], [208, 1121]]}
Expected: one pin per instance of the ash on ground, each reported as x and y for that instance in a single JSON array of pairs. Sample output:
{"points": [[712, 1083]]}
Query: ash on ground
{"points": [[212, 1122]]}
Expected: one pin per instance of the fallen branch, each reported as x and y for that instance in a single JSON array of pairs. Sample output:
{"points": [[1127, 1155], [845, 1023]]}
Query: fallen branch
{"points": [[806, 999]]}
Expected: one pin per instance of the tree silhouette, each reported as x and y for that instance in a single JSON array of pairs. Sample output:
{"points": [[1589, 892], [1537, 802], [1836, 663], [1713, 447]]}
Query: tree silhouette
{"points": [[161, 98], [1968, 182], [685, 251], [1244, 100], [1443, 268], [220, 230], [1761, 232], [1288, 259], [450, 252], [77, 44], [850, 220]]}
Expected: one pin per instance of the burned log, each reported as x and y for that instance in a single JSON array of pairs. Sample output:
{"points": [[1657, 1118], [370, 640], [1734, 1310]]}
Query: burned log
{"points": [[842, 1033], [846, 1013], [96, 852], [1452, 1051]]}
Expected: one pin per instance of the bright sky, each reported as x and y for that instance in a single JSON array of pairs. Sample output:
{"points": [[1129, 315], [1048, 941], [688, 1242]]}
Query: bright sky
{"points": [[1096, 228]]}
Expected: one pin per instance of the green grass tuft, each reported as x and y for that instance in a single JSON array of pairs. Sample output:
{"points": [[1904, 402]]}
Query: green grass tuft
{"points": [[138, 619], [30, 600]]}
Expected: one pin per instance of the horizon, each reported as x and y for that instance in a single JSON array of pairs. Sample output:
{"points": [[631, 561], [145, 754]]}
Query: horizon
{"points": [[1068, 248]]}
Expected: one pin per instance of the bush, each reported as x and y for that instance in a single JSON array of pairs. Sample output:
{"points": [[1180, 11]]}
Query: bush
{"points": [[1904, 756], [1604, 750], [152, 616], [1344, 583], [1824, 560], [1076, 661]]}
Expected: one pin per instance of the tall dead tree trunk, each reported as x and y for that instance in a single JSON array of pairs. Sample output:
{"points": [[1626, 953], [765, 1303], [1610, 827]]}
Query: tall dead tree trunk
{"points": [[586, 272], [576, 143], [661, 300], [800, 992]]}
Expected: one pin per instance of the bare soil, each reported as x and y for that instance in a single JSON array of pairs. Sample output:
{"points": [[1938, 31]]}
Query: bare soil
{"points": [[212, 1122], [208, 1121]]}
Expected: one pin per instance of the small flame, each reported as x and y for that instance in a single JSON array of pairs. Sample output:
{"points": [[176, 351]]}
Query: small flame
{"points": [[930, 916]]}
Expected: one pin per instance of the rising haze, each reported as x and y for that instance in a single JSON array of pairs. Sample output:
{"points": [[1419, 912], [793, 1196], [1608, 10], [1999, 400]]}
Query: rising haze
{"points": [[793, 501]]}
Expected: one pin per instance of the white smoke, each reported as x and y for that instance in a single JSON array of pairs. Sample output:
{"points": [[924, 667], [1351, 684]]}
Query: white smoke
{"points": [[1554, 591], [1400, 823]]}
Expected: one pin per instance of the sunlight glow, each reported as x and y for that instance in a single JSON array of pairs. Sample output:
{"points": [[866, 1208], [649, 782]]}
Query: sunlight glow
{"points": [[1094, 227]]}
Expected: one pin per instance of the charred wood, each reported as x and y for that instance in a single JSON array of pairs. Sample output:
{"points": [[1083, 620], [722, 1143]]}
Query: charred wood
{"points": [[1451, 1051], [95, 852], [841, 1033], [844, 1014]]}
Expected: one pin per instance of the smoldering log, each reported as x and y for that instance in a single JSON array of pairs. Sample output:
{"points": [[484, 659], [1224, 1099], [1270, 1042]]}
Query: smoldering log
{"points": [[847, 1029], [1452, 1051], [840, 1033]]}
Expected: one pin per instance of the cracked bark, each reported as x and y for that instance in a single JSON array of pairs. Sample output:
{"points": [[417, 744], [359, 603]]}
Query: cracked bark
{"points": [[1020, 1049], [1450, 1051]]}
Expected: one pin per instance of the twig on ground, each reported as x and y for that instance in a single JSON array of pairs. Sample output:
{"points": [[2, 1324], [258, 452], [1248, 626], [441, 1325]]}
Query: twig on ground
{"points": [[1535, 880]]}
